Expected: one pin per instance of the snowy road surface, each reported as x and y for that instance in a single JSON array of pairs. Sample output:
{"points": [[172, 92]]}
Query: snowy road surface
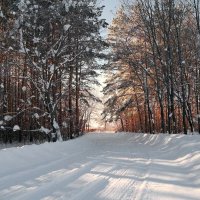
{"points": [[115, 166]]}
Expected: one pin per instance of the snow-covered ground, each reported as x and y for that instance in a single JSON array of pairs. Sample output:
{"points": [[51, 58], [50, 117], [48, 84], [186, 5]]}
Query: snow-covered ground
{"points": [[101, 166]]}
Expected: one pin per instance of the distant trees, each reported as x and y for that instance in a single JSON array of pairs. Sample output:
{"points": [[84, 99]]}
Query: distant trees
{"points": [[196, 6], [48, 58], [155, 67]]}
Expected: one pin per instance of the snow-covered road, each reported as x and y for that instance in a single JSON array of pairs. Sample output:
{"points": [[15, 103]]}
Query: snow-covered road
{"points": [[115, 166]]}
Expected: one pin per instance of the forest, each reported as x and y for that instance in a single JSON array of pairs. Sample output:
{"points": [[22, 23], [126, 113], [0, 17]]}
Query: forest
{"points": [[155, 67], [50, 52]]}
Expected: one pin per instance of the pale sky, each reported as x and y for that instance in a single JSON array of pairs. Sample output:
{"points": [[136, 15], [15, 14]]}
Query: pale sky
{"points": [[109, 11], [110, 8]]}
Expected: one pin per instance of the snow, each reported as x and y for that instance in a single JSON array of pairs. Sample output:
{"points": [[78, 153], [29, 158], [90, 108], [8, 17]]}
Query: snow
{"points": [[91, 4], [36, 115], [183, 62], [66, 27], [1, 13], [52, 68], [45, 130], [22, 5], [55, 124], [10, 48], [24, 88], [36, 40], [104, 166], [64, 124], [8, 118], [16, 128]]}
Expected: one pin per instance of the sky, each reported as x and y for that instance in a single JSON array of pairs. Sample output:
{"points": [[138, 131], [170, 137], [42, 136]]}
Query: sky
{"points": [[109, 11], [110, 8]]}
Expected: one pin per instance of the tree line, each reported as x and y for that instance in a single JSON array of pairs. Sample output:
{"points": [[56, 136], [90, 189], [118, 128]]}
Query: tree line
{"points": [[155, 67], [49, 57]]}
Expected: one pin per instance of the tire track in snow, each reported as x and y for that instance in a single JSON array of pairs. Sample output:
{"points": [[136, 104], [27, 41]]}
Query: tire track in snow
{"points": [[42, 188], [142, 191], [120, 185], [36, 171]]}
